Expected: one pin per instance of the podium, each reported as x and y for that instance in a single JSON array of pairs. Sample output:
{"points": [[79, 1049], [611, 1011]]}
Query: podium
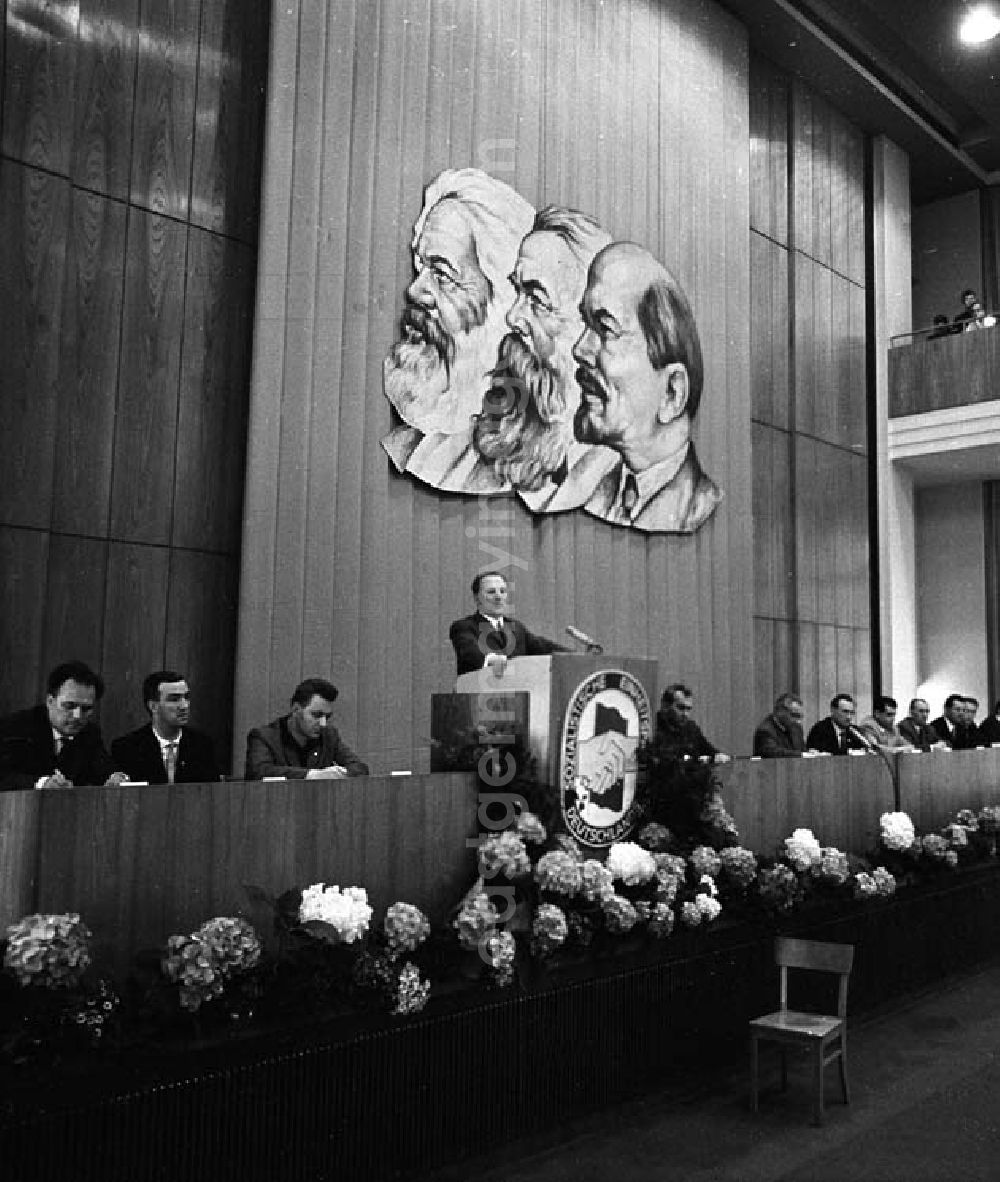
{"points": [[588, 714]]}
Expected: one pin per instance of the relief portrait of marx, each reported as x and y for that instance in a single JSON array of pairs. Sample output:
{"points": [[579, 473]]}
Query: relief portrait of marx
{"points": [[465, 245], [538, 356]]}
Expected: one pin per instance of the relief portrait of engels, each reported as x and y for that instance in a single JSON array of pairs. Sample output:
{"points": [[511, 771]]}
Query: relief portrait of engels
{"points": [[537, 356]]}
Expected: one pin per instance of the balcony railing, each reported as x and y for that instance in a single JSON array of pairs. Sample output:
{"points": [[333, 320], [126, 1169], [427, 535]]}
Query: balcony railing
{"points": [[929, 372]]}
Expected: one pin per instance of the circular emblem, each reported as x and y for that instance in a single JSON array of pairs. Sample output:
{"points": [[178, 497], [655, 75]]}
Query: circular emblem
{"points": [[607, 719]]}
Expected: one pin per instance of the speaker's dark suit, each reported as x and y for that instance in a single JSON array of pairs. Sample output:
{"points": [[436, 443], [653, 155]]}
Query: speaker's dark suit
{"points": [[474, 637], [138, 755], [823, 737], [27, 752], [961, 737]]}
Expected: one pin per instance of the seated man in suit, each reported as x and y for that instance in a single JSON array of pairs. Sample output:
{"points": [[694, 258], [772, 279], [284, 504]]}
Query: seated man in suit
{"points": [[58, 744], [489, 637], [952, 728], [837, 735], [166, 750], [678, 736], [880, 725], [779, 736], [915, 728], [304, 744]]}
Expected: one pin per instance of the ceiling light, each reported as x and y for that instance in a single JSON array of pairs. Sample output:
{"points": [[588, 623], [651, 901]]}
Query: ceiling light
{"points": [[980, 24]]}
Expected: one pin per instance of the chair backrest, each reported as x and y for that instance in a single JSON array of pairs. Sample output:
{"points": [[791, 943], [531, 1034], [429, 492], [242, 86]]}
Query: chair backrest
{"points": [[818, 956]]}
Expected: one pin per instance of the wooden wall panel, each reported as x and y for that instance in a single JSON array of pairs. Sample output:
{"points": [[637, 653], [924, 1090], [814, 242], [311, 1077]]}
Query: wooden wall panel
{"points": [[134, 627], [163, 128], [88, 364], [769, 98], [34, 223], [39, 83], [214, 375], [24, 555], [773, 523], [769, 312], [229, 111], [74, 593], [146, 417], [105, 96], [201, 611], [19, 813], [361, 571], [144, 863], [126, 362]]}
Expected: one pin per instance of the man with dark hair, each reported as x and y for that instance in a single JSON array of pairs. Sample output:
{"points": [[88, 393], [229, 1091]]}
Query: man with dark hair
{"points": [[678, 736], [880, 725], [58, 744], [166, 750], [837, 734], [779, 736], [489, 637], [969, 301], [304, 744], [952, 728], [641, 373], [915, 728]]}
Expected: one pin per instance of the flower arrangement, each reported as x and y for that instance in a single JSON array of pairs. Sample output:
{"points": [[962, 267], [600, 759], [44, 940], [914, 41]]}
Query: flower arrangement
{"points": [[406, 928], [476, 920], [596, 881], [205, 962], [737, 867], [704, 860], [559, 873], [620, 914], [504, 854], [51, 951], [335, 915], [529, 828], [655, 837], [802, 851], [548, 929], [832, 869], [896, 831], [630, 863], [778, 888]]}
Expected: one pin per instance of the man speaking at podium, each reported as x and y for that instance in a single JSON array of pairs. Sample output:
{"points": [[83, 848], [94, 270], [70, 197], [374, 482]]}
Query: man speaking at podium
{"points": [[489, 637]]}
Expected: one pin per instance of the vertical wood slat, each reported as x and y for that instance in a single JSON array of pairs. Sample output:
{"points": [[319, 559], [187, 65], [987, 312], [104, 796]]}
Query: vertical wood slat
{"points": [[34, 224], [229, 108], [148, 380], [39, 83], [165, 106], [74, 590], [88, 364], [214, 374], [105, 96], [24, 556]]}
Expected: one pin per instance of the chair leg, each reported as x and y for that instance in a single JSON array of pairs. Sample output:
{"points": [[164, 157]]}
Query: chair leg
{"points": [[843, 1067], [753, 1073], [819, 1064]]}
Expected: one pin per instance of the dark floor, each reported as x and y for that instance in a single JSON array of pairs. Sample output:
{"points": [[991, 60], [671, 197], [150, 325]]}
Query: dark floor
{"points": [[925, 1107]]}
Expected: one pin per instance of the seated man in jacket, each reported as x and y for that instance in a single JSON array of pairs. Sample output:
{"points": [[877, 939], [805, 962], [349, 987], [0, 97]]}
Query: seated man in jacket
{"points": [[303, 744], [58, 744], [880, 725], [953, 727], [166, 750], [779, 735], [837, 734], [677, 734]]}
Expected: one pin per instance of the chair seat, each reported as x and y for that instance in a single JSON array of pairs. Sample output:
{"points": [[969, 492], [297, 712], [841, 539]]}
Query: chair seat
{"points": [[797, 1024]]}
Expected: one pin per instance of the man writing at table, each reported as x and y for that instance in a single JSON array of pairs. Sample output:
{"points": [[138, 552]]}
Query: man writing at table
{"points": [[303, 744], [58, 744], [166, 750]]}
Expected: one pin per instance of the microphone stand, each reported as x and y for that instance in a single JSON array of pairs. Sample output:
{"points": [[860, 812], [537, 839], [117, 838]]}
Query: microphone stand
{"points": [[891, 766]]}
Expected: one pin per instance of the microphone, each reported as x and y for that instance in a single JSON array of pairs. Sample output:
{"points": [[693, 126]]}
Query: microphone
{"points": [[583, 638]]}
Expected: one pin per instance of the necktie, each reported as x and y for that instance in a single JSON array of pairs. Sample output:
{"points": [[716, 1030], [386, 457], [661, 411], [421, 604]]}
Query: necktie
{"points": [[171, 761], [630, 494]]}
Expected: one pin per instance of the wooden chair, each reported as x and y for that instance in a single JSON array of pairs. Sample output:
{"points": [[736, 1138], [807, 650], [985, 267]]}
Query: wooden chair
{"points": [[825, 1035]]}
